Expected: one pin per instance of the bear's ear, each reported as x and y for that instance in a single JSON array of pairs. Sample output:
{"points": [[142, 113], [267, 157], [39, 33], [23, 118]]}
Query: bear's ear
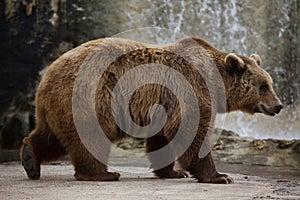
{"points": [[234, 63], [256, 58]]}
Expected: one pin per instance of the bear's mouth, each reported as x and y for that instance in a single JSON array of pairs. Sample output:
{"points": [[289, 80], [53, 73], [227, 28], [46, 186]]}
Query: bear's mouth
{"points": [[266, 111]]}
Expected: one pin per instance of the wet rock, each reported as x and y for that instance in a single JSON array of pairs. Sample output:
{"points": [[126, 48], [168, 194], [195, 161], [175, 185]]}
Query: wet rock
{"points": [[131, 143], [259, 144], [286, 143], [219, 145]]}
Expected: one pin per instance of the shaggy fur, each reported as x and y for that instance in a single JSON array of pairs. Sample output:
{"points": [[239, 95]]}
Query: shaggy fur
{"points": [[247, 86]]}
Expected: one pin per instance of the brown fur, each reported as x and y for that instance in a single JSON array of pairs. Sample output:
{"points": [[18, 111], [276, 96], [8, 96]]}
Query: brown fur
{"points": [[55, 133]]}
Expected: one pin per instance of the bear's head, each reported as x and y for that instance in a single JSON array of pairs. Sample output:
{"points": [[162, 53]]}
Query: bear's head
{"points": [[250, 87]]}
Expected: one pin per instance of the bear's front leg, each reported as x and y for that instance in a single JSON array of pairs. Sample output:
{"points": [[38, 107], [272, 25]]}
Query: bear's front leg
{"points": [[203, 169]]}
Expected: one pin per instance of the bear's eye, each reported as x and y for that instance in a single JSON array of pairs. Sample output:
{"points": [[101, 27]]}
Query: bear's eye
{"points": [[264, 88]]}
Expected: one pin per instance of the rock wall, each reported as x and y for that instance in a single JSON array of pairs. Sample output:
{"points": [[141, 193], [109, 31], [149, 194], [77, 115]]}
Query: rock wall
{"points": [[33, 34]]}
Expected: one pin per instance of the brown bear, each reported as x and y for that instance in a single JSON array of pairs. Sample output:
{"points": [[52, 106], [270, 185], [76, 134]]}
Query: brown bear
{"points": [[247, 87]]}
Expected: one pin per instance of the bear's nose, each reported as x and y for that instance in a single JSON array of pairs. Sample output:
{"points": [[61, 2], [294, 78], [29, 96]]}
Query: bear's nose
{"points": [[278, 108]]}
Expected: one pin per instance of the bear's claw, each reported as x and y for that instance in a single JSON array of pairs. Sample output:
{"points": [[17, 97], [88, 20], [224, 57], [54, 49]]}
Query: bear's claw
{"points": [[219, 178], [172, 174], [31, 167]]}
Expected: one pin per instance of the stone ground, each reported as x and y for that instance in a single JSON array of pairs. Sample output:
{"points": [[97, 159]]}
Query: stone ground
{"points": [[57, 182]]}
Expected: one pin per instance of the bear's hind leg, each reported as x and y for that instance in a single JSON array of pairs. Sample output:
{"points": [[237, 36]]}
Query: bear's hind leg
{"points": [[157, 142], [29, 162], [38, 147], [87, 168]]}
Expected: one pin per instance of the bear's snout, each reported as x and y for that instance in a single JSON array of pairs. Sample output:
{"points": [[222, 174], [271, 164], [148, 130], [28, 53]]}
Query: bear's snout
{"points": [[278, 108], [271, 110]]}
